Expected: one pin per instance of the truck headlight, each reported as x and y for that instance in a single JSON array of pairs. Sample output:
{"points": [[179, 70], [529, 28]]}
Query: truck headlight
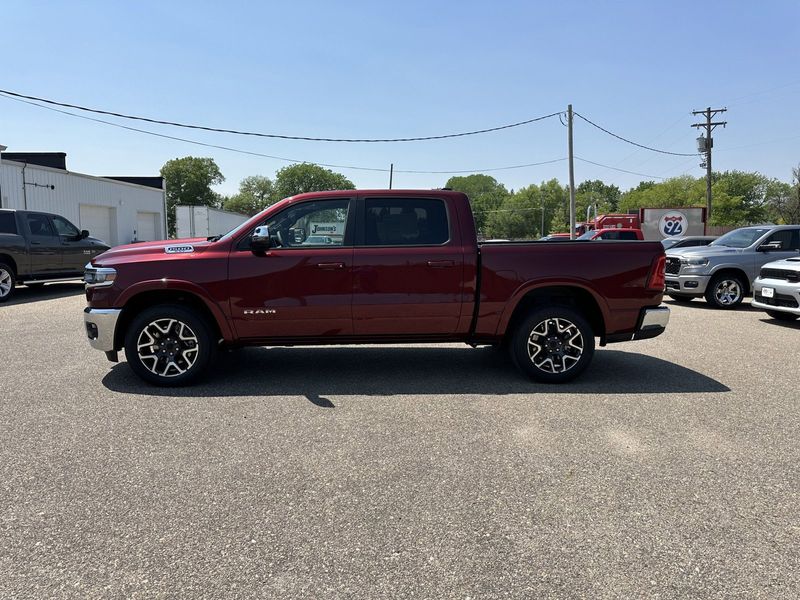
{"points": [[694, 261], [99, 276]]}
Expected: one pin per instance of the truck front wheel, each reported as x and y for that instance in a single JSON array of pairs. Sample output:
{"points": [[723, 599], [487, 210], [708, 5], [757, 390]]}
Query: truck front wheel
{"points": [[168, 345], [725, 291], [553, 345]]}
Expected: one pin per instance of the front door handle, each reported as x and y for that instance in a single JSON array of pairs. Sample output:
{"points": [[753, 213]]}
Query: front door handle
{"points": [[36, 243], [440, 264], [331, 266]]}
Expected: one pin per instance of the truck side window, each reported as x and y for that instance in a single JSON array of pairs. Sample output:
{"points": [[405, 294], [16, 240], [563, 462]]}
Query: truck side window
{"points": [[405, 222], [65, 228], [627, 235], [8, 223], [318, 223], [785, 237], [40, 225]]}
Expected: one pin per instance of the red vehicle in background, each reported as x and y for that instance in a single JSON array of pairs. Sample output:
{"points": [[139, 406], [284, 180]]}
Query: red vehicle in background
{"points": [[613, 234], [404, 267], [610, 221]]}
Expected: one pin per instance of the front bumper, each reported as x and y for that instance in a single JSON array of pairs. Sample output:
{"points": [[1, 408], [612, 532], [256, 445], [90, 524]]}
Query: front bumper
{"points": [[101, 325], [694, 285], [652, 323], [786, 296]]}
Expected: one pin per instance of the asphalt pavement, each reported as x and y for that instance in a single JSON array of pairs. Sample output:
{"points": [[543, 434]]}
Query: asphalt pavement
{"points": [[669, 470]]}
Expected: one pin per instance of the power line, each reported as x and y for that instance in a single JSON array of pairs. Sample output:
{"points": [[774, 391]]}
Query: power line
{"points": [[597, 164], [619, 137], [275, 135], [280, 158]]}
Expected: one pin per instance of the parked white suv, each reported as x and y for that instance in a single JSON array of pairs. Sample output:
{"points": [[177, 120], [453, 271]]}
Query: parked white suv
{"points": [[777, 289]]}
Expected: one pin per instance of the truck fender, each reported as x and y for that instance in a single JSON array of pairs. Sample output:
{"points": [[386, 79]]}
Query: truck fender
{"points": [[183, 286], [526, 288]]}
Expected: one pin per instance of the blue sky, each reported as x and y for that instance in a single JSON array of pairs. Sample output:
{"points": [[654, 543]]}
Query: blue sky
{"points": [[378, 69]]}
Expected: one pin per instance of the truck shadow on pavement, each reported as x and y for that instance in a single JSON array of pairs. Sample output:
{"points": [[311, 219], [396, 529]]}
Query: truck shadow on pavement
{"points": [[24, 295], [396, 370]]}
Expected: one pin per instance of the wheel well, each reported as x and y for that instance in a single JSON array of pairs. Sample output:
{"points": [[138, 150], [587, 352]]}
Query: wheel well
{"points": [[148, 299], [738, 272], [573, 297], [10, 262]]}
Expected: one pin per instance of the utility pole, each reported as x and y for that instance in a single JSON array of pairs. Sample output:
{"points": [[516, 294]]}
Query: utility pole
{"points": [[704, 145], [391, 174], [571, 177]]}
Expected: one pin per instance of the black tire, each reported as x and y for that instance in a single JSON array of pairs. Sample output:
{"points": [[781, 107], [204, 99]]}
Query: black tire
{"points": [[782, 316], [725, 291], [682, 299], [182, 345], [8, 281], [567, 354]]}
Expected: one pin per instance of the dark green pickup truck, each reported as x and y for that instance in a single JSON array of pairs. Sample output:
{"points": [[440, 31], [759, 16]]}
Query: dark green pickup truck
{"points": [[38, 248]]}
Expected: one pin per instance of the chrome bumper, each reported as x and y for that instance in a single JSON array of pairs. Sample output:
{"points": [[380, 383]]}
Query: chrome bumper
{"points": [[654, 322], [101, 324], [686, 284]]}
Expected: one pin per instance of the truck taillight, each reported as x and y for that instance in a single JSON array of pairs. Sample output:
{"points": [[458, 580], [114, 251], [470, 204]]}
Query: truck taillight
{"points": [[656, 280]]}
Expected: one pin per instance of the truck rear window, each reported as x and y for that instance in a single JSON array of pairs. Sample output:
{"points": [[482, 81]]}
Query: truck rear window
{"points": [[8, 224], [405, 222]]}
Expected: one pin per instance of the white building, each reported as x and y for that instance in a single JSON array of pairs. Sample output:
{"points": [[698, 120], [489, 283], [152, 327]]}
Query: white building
{"points": [[117, 210]]}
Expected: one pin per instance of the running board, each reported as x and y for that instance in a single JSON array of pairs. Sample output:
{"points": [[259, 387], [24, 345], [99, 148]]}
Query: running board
{"points": [[57, 280]]}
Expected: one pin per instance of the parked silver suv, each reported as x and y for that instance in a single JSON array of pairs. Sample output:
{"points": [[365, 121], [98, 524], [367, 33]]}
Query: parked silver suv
{"points": [[724, 270], [777, 289]]}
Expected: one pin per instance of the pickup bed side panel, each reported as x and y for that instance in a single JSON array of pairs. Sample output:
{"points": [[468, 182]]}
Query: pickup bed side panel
{"points": [[615, 273]]}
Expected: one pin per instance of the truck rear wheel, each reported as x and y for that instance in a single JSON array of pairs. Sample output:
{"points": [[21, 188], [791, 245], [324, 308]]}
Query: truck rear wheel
{"points": [[168, 345], [7, 281], [553, 345]]}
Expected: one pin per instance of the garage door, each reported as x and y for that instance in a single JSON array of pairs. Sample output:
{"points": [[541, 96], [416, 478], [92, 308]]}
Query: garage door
{"points": [[99, 221], [147, 226]]}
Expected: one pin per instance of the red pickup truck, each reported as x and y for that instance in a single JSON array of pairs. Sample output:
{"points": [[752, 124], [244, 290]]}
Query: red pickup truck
{"points": [[397, 266]]}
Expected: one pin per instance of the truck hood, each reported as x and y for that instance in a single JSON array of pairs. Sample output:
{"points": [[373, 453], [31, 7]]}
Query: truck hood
{"points": [[149, 250], [705, 251], [789, 264]]}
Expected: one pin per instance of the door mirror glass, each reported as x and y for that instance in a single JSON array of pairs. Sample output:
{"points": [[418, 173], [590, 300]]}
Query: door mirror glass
{"points": [[84, 234], [260, 239]]}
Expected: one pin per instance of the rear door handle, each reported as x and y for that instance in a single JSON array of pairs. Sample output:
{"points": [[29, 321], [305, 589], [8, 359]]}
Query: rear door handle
{"points": [[440, 264], [36, 243], [331, 266]]}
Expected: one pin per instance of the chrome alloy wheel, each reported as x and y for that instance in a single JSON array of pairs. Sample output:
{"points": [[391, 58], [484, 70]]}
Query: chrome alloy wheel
{"points": [[167, 347], [555, 345], [728, 292], [5, 283]]}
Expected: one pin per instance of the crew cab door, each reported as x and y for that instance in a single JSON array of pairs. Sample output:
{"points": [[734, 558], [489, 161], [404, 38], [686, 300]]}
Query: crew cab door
{"points": [[44, 244], [297, 288], [76, 251], [408, 267], [789, 240]]}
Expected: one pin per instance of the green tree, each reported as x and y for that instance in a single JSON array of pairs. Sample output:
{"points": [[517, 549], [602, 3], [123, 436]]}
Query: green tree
{"points": [[674, 192], [307, 177], [517, 217], [595, 192], [188, 181], [255, 194], [485, 194], [783, 199]]}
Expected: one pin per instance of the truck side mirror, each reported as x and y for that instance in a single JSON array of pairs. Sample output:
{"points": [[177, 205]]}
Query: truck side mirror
{"points": [[769, 246], [260, 240], [84, 234]]}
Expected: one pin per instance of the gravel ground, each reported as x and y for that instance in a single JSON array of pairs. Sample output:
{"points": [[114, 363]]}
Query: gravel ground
{"points": [[669, 470]]}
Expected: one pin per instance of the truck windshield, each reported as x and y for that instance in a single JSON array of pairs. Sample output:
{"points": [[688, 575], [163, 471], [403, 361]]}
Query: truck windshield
{"points": [[740, 238], [588, 235]]}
